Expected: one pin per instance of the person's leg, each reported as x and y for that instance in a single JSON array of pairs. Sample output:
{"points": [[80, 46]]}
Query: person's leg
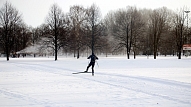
{"points": [[88, 67], [93, 67]]}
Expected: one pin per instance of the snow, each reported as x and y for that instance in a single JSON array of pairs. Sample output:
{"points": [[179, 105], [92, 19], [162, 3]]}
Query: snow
{"points": [[118, 82]]}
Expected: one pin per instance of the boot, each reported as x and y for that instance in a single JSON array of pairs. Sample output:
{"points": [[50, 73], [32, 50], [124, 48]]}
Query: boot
{"points": [[86, 70]]}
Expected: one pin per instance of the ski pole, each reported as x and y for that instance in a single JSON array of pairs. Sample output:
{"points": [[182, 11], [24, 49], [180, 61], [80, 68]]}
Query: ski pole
{"points": [[97, 64]]}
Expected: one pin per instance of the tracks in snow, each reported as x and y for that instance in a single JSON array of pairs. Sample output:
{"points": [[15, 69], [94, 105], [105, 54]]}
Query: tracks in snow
{"points": [[150, 86]]}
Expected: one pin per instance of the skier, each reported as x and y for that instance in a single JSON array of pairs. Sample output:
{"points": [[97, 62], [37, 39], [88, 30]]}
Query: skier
{"points": [[92, 62]]}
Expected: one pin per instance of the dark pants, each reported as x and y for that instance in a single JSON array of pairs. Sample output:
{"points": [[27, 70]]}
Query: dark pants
{"points": [[91, 64]]}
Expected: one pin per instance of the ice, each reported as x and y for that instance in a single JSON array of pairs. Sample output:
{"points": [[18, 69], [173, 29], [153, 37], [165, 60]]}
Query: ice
{"points": [[118, 82]]}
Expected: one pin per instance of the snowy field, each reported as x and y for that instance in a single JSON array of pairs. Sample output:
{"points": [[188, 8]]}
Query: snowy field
{"points": [[118, 82]]}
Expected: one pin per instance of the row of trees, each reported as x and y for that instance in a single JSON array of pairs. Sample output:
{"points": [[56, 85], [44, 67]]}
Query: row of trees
{"points": [[148, 31], [75, 31], [135, 31]]}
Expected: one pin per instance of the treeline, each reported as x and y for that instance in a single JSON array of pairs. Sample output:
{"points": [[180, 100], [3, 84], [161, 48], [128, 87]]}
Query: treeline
{"points": [[127, 30]]}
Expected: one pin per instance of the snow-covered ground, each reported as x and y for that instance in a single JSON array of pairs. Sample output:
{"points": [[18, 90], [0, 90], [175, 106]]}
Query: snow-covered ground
{"points": [[118, 82]]}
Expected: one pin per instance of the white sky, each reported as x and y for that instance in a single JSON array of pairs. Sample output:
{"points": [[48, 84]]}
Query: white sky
{"points": [[35, 11]]}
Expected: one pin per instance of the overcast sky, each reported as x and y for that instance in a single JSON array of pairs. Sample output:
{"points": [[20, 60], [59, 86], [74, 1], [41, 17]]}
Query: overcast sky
{"points": [[34, 12]]}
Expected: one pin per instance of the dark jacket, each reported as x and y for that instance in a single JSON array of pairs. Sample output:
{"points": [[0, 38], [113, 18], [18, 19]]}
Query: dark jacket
{"points": [[93, 58]]}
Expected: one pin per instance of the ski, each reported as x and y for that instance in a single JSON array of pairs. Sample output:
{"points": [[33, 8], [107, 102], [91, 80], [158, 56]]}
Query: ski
{"points": [[80, 72]]}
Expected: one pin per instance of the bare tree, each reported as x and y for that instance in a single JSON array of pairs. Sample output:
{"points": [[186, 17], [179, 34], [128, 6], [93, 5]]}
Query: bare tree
{"points": [[122, 30], [94, 25], [178, 31], [126, 27], [56, 23], [137, 29], [167, 44], [157, 26], [78, 16], [9, 18]]}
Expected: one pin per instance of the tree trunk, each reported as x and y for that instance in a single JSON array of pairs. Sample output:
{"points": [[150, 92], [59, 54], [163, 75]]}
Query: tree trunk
{"points": [[56, 36], [155, 46], [7, 43], [179, 53], [155, 54], [78, 54], [56, 53], [155, 51], [128, 54], [134, 55], [127, 39], [7, 51], [56, 46]]}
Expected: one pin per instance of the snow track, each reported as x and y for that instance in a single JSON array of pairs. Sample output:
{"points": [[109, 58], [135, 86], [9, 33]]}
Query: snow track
{"points": [[156, 88], [116, 89], [33, 101]]}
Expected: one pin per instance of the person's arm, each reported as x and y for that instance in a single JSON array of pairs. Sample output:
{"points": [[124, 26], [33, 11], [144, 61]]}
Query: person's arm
{"points": [[96, 57], [89, 57]]}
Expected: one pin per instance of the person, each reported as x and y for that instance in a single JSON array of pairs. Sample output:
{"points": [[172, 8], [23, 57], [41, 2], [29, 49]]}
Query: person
{"points": [[92, 58]]}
